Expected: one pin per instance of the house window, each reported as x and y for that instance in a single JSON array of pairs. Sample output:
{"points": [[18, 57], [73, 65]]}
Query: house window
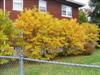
{"points": [[66, 11], [18, 5], [42, 5]]}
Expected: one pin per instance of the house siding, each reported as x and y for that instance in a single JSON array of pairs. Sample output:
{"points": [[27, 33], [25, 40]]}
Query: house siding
{"points": [[53, 7]]}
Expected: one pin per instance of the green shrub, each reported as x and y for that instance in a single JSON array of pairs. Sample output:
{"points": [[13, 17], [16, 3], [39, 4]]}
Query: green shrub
{"points": [[7, 32]]}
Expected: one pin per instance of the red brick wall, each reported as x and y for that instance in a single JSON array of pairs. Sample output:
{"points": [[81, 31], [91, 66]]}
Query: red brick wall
{"points": [[53, 7], [1, 4], [75, 12], [27, 4], [30, 3], [9, 7]]}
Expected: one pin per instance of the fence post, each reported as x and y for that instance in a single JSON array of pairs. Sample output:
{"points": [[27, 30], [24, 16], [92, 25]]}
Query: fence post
{"points": [[21, 65]]}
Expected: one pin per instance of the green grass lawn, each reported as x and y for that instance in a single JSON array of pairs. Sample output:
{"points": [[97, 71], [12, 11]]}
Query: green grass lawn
{"points": [[84, 59], [51, 69]]}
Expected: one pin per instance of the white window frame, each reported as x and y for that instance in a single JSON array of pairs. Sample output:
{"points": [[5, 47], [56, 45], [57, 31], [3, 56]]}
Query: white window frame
{"points": [[18, 2], [42, 5], [66, 9]]}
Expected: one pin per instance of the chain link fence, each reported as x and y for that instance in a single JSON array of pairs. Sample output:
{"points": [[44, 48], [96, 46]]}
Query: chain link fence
{"points": [[27, 66]]}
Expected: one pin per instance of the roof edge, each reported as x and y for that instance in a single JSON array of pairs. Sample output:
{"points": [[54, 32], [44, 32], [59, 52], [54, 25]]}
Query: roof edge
{"points": [[73, 1]]}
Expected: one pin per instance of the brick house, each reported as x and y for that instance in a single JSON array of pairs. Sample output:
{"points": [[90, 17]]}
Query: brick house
{"points": [[58, 8]]}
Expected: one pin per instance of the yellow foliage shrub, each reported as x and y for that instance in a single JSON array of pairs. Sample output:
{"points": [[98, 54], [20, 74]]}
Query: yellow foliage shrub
{"points": [[91, 31], [6, 36], [46, 36]]}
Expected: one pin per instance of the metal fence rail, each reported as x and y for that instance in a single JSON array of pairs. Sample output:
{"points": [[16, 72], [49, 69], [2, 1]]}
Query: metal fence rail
{"points": [[54, 62], [63, 63], [21, 60]]}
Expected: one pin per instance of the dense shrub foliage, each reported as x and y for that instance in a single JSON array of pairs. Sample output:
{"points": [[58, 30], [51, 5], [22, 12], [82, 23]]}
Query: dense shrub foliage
{"points": [[45, 37], [6, 35], [92, 33]]}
